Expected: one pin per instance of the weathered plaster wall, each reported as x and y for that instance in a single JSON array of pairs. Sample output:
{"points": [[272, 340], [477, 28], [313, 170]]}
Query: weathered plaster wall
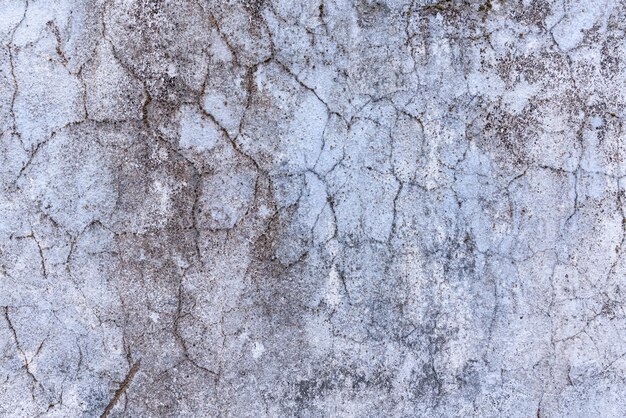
{"points": [[312, 208]]}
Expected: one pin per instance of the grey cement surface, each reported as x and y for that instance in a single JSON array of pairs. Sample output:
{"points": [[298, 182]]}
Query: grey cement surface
{"points": [[321, 208]]}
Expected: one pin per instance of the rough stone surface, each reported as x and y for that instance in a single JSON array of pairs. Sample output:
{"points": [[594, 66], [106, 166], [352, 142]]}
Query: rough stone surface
{"points": [[351, 208]]}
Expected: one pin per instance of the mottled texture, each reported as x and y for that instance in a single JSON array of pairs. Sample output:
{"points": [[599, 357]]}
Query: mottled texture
{"points": [[349, 208]]}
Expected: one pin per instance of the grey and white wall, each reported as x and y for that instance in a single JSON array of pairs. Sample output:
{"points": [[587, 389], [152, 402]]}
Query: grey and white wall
{"points": [[321, 208]]}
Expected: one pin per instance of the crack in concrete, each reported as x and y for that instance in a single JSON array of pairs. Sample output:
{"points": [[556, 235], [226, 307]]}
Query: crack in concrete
{"points": [[121, 389]]}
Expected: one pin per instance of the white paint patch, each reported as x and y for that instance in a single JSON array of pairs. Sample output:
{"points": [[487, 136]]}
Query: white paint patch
{"points": [[163, 193], [333, 290], [517, 98], [196, 131], [257, 349]]}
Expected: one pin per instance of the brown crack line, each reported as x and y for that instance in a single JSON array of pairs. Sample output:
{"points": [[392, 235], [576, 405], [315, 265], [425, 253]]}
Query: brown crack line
{"points": [[120, 390]]}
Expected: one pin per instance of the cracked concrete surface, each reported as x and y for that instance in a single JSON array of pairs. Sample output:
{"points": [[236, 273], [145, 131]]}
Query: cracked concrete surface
{"points": [[328, 208]]}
